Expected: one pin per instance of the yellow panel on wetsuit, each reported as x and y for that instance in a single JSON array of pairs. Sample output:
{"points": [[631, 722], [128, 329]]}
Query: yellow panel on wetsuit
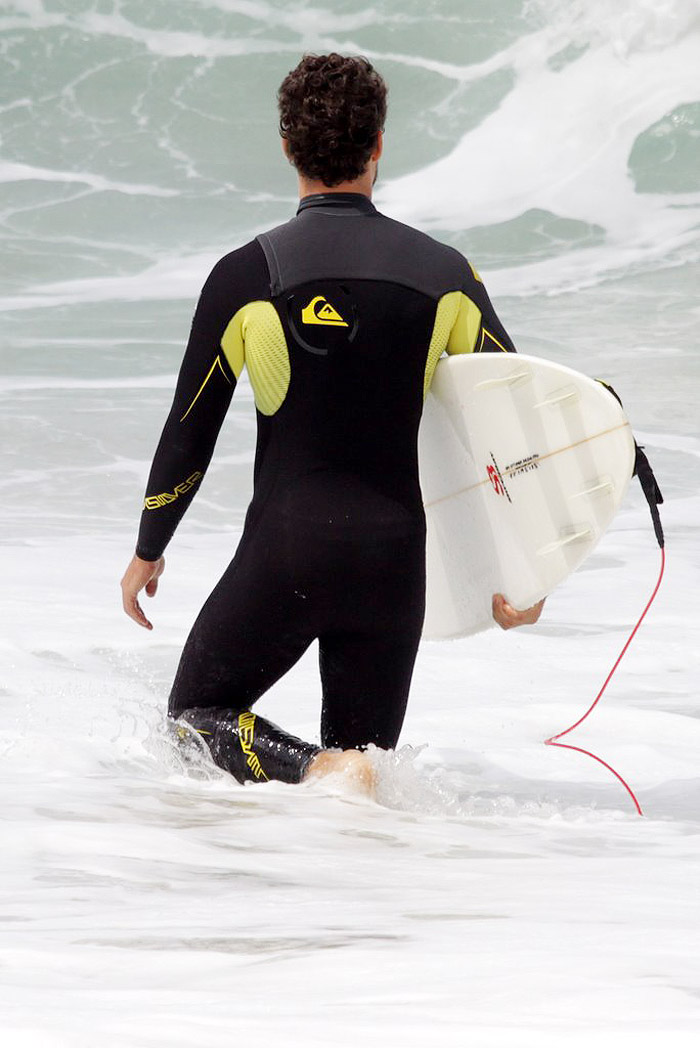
{"points": [[456, 329], [254, 336]]}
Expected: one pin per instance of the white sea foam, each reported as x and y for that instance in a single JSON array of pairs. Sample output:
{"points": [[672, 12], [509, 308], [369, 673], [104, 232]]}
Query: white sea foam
{"points": [[13, 172], [309, 26], [164, 882], [569, 155], [15, 384], [168, 279]]}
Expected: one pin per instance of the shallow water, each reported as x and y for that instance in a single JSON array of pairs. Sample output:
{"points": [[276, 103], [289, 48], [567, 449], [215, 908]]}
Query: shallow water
{"points": [[497, 892]]}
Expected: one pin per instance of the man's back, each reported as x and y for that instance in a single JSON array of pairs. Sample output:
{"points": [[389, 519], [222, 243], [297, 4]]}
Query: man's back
{"points": [[339, 317]]}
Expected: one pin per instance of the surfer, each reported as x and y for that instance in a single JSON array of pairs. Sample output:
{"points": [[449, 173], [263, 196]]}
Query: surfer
{"points": [[340, 316]]}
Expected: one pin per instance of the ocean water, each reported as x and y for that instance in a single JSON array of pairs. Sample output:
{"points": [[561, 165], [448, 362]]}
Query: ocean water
{"points": [[498, 893]]}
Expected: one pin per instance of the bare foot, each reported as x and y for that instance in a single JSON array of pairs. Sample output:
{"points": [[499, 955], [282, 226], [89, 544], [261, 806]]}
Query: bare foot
{"points": [[355, 766]]}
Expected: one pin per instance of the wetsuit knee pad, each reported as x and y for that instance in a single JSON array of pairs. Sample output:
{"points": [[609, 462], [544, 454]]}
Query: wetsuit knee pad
{"points": [[249, 747]]}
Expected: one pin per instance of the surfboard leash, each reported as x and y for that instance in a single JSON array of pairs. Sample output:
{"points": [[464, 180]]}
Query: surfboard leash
{"points": [[653, 495]]}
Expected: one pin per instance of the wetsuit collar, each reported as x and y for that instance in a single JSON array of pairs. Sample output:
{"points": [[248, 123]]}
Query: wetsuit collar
{"points": [[348, 203]]}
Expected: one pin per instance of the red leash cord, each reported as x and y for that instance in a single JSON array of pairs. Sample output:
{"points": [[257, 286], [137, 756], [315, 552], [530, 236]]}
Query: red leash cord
{"points": [[565, 746]]}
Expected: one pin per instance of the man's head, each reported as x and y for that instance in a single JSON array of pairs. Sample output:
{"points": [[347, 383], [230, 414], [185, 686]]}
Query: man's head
{"points": [[332, 111]]}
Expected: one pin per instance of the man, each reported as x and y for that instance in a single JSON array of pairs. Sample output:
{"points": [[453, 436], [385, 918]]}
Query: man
{"points": [[340, 317]]}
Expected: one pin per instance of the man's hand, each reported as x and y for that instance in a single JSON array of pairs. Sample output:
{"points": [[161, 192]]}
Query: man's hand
{"points": [[140, 573], [507, 617]]}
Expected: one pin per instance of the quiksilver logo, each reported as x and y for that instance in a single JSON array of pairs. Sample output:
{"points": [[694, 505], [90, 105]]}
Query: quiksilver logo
{"points": [[166, 497], [320, 311]]}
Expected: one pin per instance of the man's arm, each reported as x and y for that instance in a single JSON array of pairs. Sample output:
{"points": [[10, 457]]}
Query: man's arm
{"points": [[203, 393], [202, 396], [477, 329], [507, 617], [140, 574]]}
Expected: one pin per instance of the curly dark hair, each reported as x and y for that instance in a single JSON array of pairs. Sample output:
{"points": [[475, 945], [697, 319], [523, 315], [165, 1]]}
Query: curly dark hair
{"points": [[332, 109]]}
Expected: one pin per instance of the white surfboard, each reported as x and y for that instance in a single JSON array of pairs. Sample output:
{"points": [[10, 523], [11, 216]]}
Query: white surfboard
{"points": [[523, 465]]}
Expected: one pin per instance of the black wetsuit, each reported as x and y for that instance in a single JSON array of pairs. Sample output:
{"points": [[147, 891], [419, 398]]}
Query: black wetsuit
{"points": [[340, 316]]}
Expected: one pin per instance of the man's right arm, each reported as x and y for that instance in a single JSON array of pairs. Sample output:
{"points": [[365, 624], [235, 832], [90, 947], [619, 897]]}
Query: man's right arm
{"points": [[477, 328]]}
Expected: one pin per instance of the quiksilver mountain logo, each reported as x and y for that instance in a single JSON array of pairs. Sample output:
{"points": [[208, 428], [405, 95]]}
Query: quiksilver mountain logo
{"points": [[320, 311]]}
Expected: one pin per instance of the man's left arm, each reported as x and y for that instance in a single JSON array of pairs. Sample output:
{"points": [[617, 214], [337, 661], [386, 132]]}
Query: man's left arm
{"points": [[203, 393], [204, 389]]}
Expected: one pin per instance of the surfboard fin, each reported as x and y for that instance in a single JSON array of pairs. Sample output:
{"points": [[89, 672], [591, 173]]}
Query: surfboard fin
{"points": [[602, 486], [559, 398], [578, 535], [516, 378]]}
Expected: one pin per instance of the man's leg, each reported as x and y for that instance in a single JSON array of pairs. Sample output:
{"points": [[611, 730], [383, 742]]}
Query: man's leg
{"points": [[253, 628], [249, 747], [250, 632], [367, 661], [366, 681]]}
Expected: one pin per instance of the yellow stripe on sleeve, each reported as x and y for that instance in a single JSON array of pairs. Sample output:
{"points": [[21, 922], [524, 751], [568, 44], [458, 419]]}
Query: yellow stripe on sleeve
{"points": [[209, 374], [493, 338]]}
